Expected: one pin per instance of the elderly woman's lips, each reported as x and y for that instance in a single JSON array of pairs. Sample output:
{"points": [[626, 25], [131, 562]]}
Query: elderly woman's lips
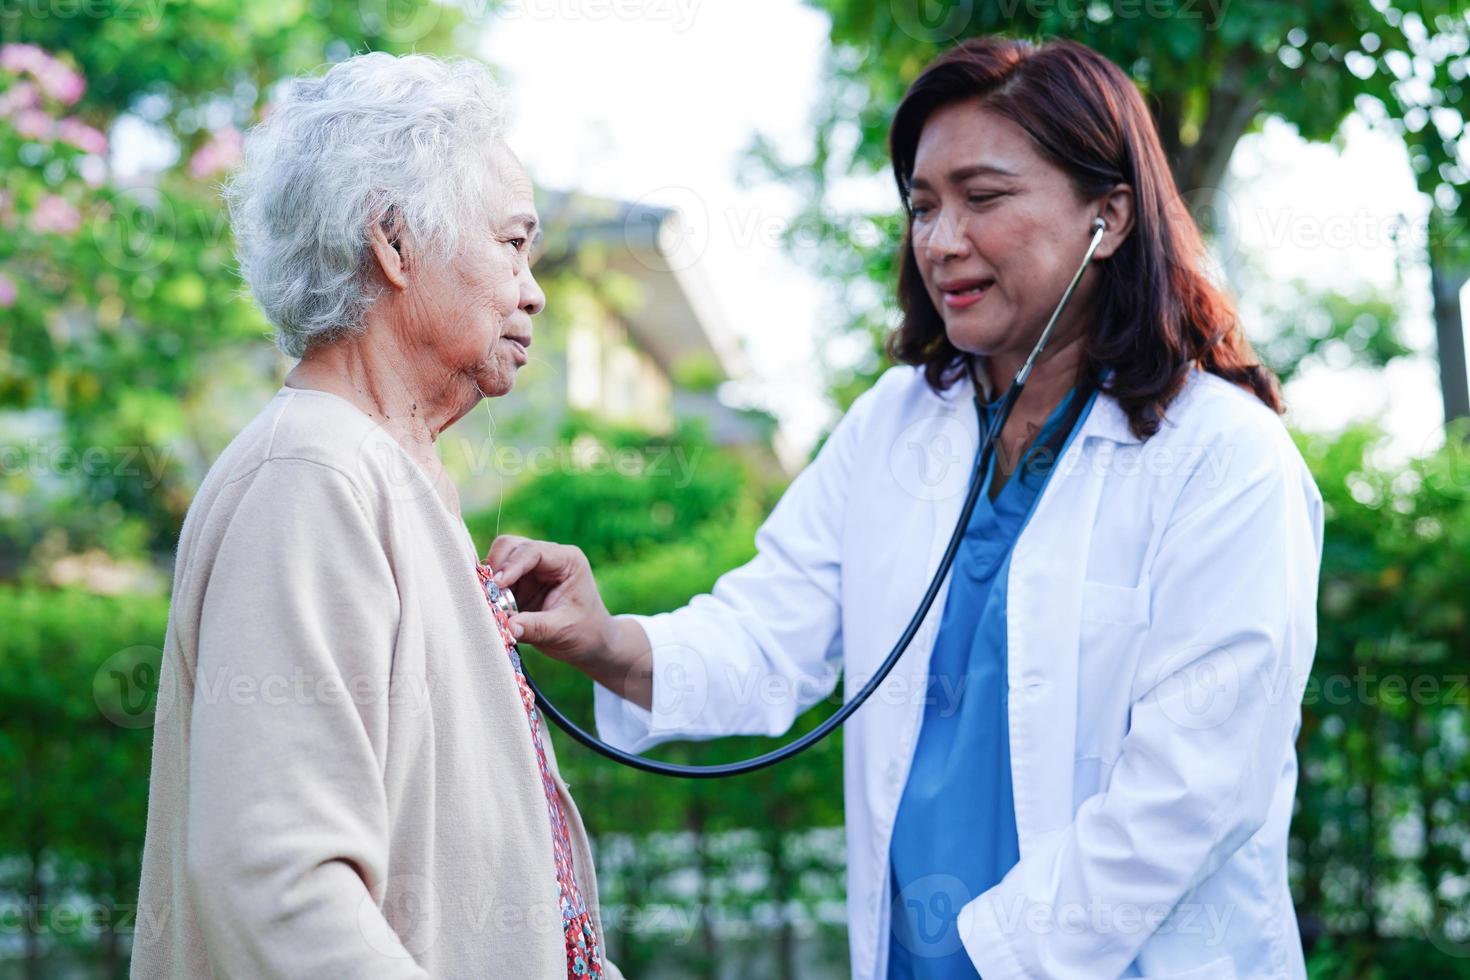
{"points": [[520, 346]]}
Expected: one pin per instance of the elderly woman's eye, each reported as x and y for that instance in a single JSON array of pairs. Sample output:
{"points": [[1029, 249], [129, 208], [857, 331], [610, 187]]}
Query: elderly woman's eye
{"points": [[516, 243]]}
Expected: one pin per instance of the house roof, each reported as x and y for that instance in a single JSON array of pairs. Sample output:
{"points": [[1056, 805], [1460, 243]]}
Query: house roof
{"points": [[679, 318]]}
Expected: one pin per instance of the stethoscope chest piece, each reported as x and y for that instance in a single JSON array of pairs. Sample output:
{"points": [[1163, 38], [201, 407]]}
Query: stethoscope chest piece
{"points": [[503, 599]]}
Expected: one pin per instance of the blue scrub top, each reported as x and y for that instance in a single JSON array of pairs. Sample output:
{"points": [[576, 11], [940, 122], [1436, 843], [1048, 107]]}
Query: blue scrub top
{"points": [[955, 833]]}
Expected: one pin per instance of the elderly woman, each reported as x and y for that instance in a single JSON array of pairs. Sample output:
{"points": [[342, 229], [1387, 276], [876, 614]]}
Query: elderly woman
{"points": [[349, 775]]}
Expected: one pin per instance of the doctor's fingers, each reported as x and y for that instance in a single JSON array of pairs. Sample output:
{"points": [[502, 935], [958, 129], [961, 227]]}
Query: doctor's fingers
{"points": [[547, 563], [547, 631], [501, 548]]}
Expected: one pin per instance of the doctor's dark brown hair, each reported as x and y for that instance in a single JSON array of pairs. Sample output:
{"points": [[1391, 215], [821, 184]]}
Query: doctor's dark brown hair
{"points": [[1157, 313]]}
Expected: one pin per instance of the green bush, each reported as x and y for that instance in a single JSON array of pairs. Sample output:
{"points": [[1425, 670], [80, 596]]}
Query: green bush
{"points": [[1382, 828], [632, 492], [78, 673]]}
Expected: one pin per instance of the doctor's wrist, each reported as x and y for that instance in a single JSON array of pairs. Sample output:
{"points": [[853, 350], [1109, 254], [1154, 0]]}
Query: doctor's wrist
{"points": [[622, 661]]}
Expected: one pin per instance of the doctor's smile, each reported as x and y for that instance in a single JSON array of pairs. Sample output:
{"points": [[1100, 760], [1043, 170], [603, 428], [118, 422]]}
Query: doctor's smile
{"points": [[1045, 564]]}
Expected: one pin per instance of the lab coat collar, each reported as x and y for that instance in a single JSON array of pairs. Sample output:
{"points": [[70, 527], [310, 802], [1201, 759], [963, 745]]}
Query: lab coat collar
{"points": [[1107, 420]]}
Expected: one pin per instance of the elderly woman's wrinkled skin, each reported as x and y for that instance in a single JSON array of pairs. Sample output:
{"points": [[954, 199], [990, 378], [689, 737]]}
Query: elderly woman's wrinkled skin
{"points": [[442, 335]]}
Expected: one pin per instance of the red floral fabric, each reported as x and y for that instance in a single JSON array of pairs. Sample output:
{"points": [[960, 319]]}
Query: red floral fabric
{"points": [[584, 958]]}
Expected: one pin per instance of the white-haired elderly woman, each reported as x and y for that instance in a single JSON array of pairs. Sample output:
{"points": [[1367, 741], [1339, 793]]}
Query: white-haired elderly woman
{"points": [[349, 776]]}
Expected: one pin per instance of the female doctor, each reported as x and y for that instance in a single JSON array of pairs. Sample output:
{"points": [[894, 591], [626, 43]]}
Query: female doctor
{"points": [[1083, 766]]}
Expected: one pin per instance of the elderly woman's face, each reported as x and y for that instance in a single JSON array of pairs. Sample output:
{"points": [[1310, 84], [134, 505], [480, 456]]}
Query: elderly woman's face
{"points": [[471, 316], [998, 230]]}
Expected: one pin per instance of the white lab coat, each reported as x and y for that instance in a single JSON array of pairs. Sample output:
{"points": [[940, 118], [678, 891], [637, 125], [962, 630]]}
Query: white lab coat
{"points": [[1161, 626]]}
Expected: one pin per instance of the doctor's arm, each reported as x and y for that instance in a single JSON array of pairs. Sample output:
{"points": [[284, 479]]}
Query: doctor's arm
{"points": [[747, 658], [1213, 716]]}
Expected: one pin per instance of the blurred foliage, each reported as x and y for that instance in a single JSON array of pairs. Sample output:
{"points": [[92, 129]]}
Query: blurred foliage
{"points": [[1381, 836], [191, 66], [1312, 326], [80, 674], [625, 490], [698, 373]]}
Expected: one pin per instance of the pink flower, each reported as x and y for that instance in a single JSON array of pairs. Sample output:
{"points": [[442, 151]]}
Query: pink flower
{"points": [[221, 153], [55, 214], [83, 137], [23, 57], [33, 124], [61, 83], [57, 80], [21, 95], [7, 292]]}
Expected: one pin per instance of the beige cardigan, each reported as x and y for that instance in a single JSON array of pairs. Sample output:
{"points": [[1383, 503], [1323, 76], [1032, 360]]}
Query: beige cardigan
{"points": [[343, 780]]}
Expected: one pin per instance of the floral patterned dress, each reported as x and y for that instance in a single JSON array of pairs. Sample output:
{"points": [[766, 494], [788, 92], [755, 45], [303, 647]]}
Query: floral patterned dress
{"points": [[584, 959]]}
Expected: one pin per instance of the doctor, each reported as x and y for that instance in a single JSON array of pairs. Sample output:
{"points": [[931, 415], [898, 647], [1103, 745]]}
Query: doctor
{"points": [[1083, 766]]}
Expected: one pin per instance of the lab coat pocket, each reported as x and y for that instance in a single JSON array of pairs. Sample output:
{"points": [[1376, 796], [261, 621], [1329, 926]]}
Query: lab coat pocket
{"points": [[1113, 624], [1118, 604]]}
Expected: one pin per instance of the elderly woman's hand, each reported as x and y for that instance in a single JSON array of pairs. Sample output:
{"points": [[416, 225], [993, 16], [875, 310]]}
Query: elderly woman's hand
{"points": [[563, 615]]}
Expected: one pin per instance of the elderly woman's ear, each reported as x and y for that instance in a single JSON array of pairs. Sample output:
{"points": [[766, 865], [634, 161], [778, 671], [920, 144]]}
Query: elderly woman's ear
{"points": [[388, 241]]}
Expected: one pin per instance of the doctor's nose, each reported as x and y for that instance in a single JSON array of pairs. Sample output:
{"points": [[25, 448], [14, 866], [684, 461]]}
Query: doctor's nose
{"points": [[948, 238]]}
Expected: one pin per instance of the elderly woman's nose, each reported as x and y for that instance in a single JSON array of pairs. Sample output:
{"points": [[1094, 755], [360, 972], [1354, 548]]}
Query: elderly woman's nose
{"points": [[533, 300]]}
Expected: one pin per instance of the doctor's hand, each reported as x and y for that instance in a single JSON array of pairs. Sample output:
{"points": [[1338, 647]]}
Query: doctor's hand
{"points": [[562, 614]]}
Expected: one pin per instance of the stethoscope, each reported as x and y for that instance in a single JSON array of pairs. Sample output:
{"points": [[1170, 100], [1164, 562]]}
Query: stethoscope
{"points": [[506, 601]]}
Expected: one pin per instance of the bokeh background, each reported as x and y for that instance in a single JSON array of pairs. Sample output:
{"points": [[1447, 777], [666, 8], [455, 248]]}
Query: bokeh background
{"points": [[718, 260]]}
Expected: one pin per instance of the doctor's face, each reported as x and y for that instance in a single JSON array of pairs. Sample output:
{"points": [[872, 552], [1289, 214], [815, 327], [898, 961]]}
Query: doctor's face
{"points": [[997, 232]]}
